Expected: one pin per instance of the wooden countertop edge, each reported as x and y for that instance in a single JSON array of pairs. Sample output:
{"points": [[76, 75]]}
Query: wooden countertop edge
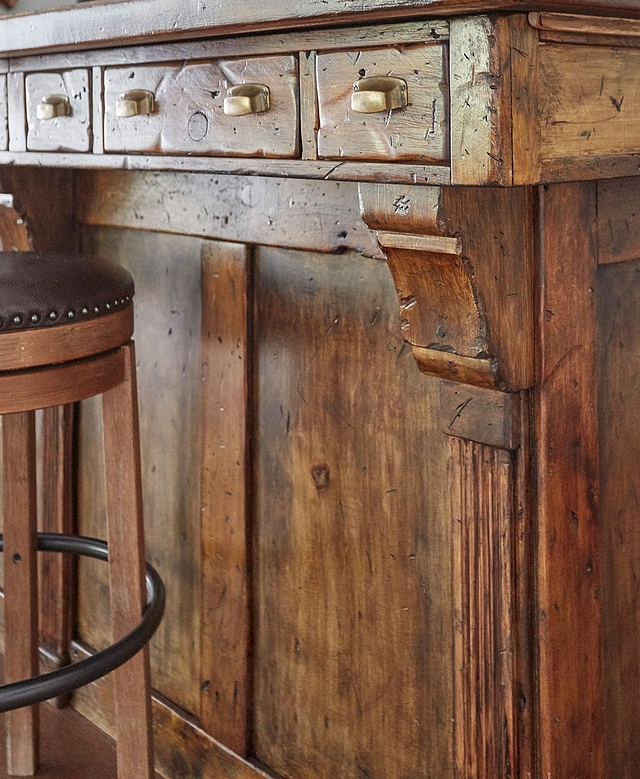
{"points": [[100, 24]]}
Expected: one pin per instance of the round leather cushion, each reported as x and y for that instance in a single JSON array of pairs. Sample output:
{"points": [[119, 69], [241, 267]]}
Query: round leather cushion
{"points": [[44, 289]]}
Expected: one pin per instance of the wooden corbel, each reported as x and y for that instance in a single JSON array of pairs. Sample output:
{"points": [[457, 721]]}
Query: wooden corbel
{"points": [[461, 261]]}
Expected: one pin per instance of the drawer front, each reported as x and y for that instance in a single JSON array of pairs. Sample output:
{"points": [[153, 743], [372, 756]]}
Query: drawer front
{"points": [[188, 117], [420, 131], [70, 132]]}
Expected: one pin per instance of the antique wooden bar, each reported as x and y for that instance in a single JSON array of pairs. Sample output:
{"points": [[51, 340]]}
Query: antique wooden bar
{"points": [[387, 260]]}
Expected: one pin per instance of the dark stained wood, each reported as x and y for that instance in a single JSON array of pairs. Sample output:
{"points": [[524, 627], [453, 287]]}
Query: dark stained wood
{"points": [[352, 544], [571, 726], [481, 415], [618, 330], [481, 479], [527, 164], [618, 220], [225, 486], [20, 583], [125, 536]]}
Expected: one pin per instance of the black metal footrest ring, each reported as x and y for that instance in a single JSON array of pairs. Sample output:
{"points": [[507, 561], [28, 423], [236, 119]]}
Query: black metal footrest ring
{"points": [[64, 680]]}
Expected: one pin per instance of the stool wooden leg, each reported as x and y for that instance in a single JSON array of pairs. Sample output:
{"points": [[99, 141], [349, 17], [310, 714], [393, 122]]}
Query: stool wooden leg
{"points": [[20, 583], [126, 566]]}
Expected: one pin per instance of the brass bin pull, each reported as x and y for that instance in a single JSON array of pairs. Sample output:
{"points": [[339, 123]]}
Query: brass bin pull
{"points": [[136, 102], [378, 93], [246, 99], [52, 106]]}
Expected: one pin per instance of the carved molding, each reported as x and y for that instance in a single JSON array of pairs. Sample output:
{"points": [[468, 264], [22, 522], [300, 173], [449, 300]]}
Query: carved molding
{"points": [[485, 716]]}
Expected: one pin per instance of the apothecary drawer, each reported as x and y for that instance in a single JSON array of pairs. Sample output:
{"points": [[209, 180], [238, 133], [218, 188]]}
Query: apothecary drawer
{"points": [[387, 103], [246, 107], [58, 111]]}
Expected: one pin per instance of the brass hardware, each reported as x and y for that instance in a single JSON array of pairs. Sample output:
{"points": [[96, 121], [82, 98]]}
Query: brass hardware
{"points": [[136, 102], [246, 99], [52, 106], [378, 93]]}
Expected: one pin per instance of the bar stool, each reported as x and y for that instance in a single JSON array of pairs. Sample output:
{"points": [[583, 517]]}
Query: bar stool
{"points": [[65, 335]]}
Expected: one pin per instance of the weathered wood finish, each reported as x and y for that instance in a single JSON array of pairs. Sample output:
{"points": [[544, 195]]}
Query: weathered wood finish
{"points": [[569, 626], [480, 415], [480, 50], [64, 133], [225, 493], [618, 220], [482, 512], [188, 118], [418, 132]]}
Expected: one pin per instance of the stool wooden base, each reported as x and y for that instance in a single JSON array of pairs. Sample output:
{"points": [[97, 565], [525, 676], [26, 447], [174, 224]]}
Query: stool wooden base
{"points": [[111, 374]]}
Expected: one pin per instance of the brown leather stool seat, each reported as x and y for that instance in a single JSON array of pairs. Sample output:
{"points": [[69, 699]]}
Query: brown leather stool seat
{"points": [[66, 322]]}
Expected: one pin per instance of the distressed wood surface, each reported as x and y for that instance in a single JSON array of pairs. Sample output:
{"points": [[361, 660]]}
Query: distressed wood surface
{"points": [[418, 132], [17, 111], [589, 100], [571, 726], [309, 119], [225, 494], [333, 476], [477, 414], [167, 308], [480, 53], [618, 220], [233, 208], [482, 507], [574, 23], [241, 45], [618, 344], [527, 163], [64, 133], [399, 208], [189, 119]]}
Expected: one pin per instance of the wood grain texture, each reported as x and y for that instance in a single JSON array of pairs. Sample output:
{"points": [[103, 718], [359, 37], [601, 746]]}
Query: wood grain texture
{"points": [[97, 106], [233, 208], [17, 112], [418, 132], [352, 547], [618, 220], [4, 117], [307, 169], [617, 293], [477, 414], [125, 536], [526, 122], [20, 583], [239, 46], [482, 510], [309, 119], [167, 308], [189, 119], [480, 56], [579, 23], [14, 234], [64, 133], [225, 491], [400, 208], [589, 103], [456, 367], [571, 727]]}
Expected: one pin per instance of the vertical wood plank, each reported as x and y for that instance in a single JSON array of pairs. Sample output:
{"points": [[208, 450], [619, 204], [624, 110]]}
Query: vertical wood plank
{"points": [[20, 583], [480, 51], [17, 112], [527, 161], [225, 530], [309, 120], [125, 535], [56, 516], [569, 626], [482, 490], [97, 96]]}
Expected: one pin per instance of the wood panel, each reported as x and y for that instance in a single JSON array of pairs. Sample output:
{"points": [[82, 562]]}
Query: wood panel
{"points": [[418, 132], [618, 348], [589, 100], [618, 220], [482, 512], [167, 307], [189, 119], [226, 564], [571, 727], [353, 624], [233, 208]]}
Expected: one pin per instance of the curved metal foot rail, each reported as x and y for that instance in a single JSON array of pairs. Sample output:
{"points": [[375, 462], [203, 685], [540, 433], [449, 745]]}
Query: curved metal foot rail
{"points": [[63, 680]]}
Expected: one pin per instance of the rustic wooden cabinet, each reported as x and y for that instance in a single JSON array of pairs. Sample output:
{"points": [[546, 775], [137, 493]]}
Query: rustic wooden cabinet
{"points": [[388, 372]]}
